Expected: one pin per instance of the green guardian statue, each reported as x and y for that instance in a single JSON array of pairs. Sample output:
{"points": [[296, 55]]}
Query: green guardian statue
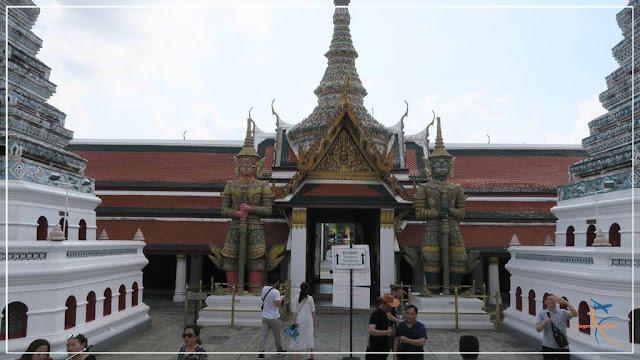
{"points": [[245, 200], [441, 203]]}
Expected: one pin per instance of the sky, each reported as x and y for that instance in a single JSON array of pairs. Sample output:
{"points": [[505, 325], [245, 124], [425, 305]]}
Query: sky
{"points": [[511, 75]]}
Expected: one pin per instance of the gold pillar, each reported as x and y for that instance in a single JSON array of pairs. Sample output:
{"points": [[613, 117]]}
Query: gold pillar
{"points": [[299, 218]]}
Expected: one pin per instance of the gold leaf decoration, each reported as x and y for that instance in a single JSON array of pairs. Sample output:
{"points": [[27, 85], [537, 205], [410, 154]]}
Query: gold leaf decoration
{"points": [[275, 256]]}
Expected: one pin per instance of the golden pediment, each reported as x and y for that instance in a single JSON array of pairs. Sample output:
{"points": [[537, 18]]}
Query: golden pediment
{"points": [[343, 159]]}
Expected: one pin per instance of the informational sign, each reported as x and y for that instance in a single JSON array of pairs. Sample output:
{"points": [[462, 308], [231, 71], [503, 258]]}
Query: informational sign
{"points": [[349, 258]]}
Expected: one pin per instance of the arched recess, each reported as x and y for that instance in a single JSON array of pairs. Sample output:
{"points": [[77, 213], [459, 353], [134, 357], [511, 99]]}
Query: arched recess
{"points": [[82, 230], [17, 320], [571, 236], [591, 234], [65, 227], [91, 307], [43, 227], [134, 294], [122, 298], [106, 307], [532, 302], [614, 235], [584, 318], [70, 313]]}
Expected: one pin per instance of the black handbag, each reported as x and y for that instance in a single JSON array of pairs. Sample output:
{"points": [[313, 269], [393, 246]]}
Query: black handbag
{"points": [[265, 296], [558, 336]]}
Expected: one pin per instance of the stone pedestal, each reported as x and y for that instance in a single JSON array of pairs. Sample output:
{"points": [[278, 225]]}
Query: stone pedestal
{"points": [[217, 310], [473, 319]]}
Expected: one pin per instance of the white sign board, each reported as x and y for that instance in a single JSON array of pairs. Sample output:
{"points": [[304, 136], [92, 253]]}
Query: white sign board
{"points": [[349, 258], [361, 296]]}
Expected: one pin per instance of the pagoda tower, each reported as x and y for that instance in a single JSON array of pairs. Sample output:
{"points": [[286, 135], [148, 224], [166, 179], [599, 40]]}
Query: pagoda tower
{"points": [[596, 211], [61, 279], [341, 64]]}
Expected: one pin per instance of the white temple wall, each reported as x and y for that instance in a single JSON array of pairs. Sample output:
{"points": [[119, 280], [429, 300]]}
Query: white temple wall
{"points": [[613, 207], [29, 201], [66, 268], [579, 274]]}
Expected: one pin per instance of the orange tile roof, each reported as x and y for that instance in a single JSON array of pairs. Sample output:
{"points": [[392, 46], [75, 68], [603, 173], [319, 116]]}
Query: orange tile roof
{"points": [[485, 236], [268, 161], [412, 162], [187, 202], [178, 167], [504, 171], [526, 207], [512, 171], [183, 232]]}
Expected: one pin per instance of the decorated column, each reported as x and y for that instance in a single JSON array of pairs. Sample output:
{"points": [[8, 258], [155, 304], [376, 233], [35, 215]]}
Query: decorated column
{"points": [[387, 252], [181, 277], [494, 279], [297, 270]]}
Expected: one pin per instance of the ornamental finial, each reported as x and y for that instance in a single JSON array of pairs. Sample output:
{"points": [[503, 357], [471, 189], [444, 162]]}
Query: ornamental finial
{"points": [[345, 92], [247, 148], [439, 149]]}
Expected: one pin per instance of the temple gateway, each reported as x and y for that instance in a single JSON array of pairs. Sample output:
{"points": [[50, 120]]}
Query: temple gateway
{"points": [[337, 177]]}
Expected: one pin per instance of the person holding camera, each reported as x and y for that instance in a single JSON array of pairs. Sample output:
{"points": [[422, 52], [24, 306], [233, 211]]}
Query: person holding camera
{"points": [[553, 322], [380, 330]]}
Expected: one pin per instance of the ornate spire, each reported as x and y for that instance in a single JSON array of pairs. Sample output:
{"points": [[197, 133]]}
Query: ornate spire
{"points": [[439, 149], [247, 148], [341, 64]]}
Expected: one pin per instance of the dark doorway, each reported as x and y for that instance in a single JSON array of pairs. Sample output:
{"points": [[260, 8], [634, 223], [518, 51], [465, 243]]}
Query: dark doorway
{"points": [[367, 231]]}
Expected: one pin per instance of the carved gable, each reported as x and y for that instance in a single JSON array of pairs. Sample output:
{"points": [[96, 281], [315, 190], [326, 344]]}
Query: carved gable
{"points": [[343, 157]]}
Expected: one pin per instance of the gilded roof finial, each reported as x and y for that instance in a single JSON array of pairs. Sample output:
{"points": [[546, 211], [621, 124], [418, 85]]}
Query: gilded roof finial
{"points": [[273, 112], [439, 149], [406, 113], [247, 148], [345, 92]]}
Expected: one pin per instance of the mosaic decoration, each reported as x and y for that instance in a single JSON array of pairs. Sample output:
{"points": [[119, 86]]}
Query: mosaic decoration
{"points": [[31, 255], [95, 253], [556, 258], [341, 64], [31, 171], [609, 143], [622, 181], [37, 135], [625, 262]]}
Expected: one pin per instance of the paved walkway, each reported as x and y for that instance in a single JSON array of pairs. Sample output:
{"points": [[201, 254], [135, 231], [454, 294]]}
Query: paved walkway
{"points": [[332, 335]]}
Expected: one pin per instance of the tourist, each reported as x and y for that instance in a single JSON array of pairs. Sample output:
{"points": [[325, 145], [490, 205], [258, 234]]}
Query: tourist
{"points": [[77, 345], [553, 322], [379, 329], [469, 344], [393, 315], [305, 320], [39, 350], [410, 336], [192, 349], [271, 301]]}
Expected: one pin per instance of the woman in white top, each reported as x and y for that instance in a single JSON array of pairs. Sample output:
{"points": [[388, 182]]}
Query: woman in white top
{"points": [[305, 320]]}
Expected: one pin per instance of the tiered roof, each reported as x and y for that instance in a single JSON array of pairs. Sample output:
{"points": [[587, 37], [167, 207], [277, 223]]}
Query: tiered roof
{"points": [[341, 64], [609, 143], [37, 135]]}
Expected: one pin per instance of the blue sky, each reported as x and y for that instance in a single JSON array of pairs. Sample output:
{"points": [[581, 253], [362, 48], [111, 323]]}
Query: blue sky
{"points": [[523, 75]]}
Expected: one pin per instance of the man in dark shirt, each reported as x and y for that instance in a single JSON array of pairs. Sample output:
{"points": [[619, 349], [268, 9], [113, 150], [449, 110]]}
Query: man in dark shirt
{"points": [[410, 336], [379, 329]]}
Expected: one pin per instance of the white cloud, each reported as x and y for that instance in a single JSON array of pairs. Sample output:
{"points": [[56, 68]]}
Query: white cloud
{"points": [[587, 110], [470, 117]]}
